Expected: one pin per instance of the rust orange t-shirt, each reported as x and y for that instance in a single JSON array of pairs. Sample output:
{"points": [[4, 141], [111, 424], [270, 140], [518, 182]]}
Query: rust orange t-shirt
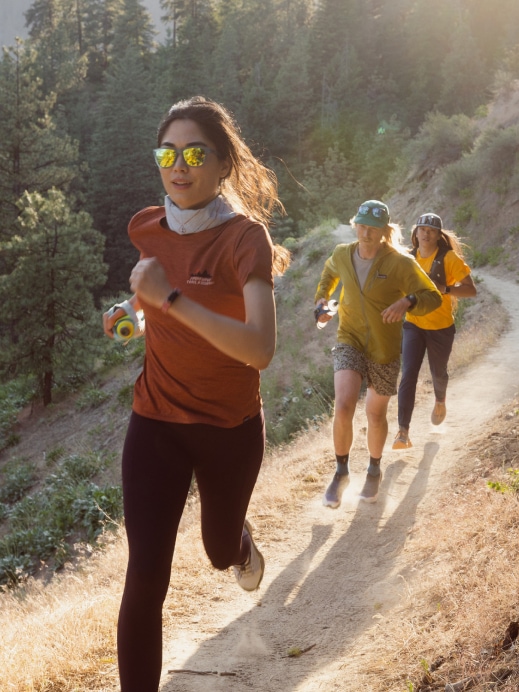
{"points": [[185, 379]]}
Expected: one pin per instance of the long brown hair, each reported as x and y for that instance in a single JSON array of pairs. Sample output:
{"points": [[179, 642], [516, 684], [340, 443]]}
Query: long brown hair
{"points": [[250, 187], [446, 238]]}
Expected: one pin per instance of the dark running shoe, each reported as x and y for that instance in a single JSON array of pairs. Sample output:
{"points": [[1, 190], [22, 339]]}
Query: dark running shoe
{"points": [[369, 492], [332, 496]]}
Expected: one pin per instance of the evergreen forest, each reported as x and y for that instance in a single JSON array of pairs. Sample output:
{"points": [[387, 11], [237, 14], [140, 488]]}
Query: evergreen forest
{"points": [[331, 94]]}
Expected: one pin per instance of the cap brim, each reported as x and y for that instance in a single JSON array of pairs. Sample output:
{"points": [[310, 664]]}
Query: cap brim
{"points": [[365, 220]]}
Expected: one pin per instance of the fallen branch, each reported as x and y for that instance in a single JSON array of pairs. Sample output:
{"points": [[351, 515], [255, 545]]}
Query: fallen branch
{"points": [[199, 672], [295, 651]]}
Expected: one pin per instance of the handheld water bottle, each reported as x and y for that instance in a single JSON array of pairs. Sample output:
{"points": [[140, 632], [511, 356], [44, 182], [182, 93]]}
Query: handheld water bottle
{"points": [[330, 309], [130, 325]]}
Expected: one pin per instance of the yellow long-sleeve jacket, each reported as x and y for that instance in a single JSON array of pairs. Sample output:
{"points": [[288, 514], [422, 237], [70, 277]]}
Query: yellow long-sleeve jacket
{"points": [[393, 275]]}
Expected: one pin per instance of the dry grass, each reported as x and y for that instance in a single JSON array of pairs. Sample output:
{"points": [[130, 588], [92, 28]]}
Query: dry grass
{"points": [[454, 624], [483, 321], [60, 636]]}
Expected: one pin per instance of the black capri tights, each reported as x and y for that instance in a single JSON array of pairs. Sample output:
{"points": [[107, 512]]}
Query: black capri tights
{"points": [[159, 460]]}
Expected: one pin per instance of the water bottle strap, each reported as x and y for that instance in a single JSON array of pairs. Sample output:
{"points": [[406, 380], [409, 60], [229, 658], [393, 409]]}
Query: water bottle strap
{"points": [[129, 310]]}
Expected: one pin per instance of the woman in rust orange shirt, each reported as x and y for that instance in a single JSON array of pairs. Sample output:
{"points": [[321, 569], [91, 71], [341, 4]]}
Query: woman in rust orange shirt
{"points": [[205, 284]]}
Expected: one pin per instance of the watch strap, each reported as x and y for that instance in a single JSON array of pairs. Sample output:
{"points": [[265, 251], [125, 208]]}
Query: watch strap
{"points": [[412, 299], [175, 293], [128, 309]]}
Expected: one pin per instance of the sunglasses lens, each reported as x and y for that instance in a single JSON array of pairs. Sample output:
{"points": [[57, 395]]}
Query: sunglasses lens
{"points": [[194, 156], [377, 212], [430, 221], [165, 157]]}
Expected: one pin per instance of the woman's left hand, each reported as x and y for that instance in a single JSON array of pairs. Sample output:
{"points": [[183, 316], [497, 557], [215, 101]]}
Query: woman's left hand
{"points": [[149, 281]]}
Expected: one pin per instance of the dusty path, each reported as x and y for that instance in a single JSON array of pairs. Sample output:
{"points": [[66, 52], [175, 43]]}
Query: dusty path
{"points": [[334, 576]]}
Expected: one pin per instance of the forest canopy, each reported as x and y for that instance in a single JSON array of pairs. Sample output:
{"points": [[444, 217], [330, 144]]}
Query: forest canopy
{"points": [[331, 94]]}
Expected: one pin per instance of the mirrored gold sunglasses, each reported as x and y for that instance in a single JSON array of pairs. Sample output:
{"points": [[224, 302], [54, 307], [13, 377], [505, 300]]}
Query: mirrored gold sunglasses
{"points": [[193, 156]]}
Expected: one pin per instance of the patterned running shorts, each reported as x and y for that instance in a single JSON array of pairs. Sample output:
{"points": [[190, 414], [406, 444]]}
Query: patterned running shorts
{"points": [[381, 376]]}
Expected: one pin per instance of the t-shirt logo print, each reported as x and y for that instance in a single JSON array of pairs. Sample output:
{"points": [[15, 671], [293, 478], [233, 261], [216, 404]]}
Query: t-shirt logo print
{"points": [[201, 278]]}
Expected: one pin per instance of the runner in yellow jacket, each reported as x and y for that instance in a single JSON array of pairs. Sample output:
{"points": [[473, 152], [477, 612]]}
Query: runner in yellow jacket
{"points": [[380, 283]]}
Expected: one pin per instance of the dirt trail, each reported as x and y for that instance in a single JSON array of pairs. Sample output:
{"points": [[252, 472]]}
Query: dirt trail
{"points": [[334, 576]]}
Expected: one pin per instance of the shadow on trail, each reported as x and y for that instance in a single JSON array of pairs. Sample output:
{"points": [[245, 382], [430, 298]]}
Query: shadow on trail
{"points": [[324, 609]]}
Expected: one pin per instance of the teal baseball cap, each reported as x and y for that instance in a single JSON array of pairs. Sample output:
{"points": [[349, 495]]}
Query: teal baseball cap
{"points": [[372, 213]]}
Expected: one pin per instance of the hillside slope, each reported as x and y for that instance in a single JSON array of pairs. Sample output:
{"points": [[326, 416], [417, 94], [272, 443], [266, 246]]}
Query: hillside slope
{"points": [[357, 592], [485, 212]]}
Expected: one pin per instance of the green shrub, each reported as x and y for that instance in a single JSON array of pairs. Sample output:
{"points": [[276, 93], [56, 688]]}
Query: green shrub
{"points": [[115, 354], [92, 397], [492, 256], [458, 177], [465, 213], [54, 454], [307, 404], [9, 410], [440, 140], [69, 508], [125, 395], [18, 477], [497, 152], [290, 244], [512, 486], [14, 395], [318, 255], [481, 111]]}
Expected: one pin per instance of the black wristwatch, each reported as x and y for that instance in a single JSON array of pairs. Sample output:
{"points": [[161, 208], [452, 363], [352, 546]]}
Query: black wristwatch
{"points": [[175, 293], [412, 299]]}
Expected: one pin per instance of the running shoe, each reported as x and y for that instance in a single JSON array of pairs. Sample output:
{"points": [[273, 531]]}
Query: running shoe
{"points": [[402, 440], [369, 492], [250, 574], [439, 413], [333, 495]]}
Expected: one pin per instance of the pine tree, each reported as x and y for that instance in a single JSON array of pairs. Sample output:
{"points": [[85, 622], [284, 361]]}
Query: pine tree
{"points": [[47, 296], [190, 64], [99, 20], [34, 155], [123, 176], [56, 30], [133, 28]]}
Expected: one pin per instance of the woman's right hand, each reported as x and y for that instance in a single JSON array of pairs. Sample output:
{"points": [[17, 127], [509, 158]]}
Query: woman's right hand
{"points": [[322, 316], [110, 317]]}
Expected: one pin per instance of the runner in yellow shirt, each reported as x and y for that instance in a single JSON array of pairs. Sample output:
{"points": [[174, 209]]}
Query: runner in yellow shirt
{"points": [[439, 252]]}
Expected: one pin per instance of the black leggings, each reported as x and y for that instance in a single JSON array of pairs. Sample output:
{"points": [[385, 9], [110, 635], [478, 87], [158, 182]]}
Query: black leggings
{"points": [[415, 343], [159, 460]]}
